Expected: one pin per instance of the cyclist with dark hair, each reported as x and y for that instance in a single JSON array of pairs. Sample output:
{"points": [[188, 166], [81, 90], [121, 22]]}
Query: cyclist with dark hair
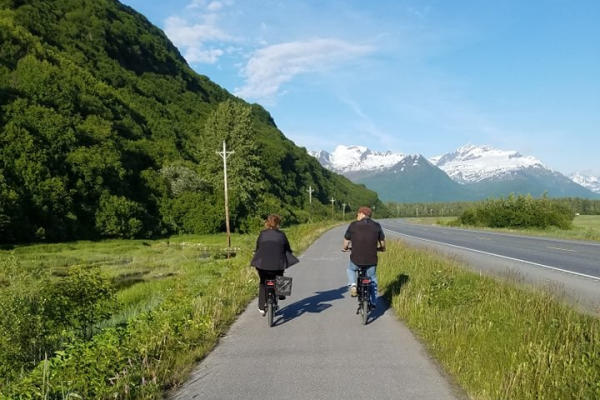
{"points": [[270, 256], [367, 238]]}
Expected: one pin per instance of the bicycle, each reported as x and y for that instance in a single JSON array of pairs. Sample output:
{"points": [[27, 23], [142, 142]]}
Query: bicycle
{"points": [[363, 289]]}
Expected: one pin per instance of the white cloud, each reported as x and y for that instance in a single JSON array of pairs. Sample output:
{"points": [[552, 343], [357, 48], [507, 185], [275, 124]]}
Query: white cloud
{"points": [[197, 55], [272, 66], [183, 34], [196, 4], [366, 124], [214, 6], [193, 38]]}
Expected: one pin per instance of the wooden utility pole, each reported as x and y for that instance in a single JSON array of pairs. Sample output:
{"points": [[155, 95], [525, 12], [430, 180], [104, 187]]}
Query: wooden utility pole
{"points": [[224, 154], [332, 202], [310, 191]]}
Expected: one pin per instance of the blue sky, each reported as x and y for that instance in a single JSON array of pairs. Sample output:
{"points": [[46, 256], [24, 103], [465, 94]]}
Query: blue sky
{"points": [[407, 76]]}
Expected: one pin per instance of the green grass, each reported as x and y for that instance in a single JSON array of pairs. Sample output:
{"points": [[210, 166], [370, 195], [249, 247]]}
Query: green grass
{"points": [[585, 227], [176, 298], [498, 338]]}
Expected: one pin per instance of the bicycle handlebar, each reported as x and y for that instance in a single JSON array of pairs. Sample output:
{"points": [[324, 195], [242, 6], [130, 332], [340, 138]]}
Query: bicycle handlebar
{"points": [[350, 248]]}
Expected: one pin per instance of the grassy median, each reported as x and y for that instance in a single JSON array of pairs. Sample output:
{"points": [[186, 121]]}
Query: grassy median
{"points": [[499, 339]]}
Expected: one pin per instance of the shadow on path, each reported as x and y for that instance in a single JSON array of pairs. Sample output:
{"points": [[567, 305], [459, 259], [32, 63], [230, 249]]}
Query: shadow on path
{"points": [[313, 304], [394, 287], [382, 306], [384, 301]]}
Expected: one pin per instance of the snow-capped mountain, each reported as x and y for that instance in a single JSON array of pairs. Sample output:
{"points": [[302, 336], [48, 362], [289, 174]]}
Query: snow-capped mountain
{"points": [[394, 176], [586, 180], [356, 158], [413, 179], [472, 164], [469, 173], [487, 171]]}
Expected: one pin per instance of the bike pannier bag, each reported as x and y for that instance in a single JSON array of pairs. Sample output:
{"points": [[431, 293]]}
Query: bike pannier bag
{"points": [[283, 285]]}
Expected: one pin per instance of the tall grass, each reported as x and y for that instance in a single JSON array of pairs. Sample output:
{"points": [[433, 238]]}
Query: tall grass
{"points": [[176, 304], [500, 340]]}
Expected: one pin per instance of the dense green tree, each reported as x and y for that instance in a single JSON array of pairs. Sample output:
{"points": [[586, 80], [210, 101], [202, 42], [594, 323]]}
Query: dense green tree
{"points": [[232, 123]]}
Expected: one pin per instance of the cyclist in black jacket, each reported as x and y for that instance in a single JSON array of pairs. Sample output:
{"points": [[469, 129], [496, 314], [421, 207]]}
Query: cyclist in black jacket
{"points": [[367, 237], [270, 256]]}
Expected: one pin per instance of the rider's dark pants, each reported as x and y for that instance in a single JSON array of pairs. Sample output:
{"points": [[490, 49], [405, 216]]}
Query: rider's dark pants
{"points": [[263, 274], [352, 272]]}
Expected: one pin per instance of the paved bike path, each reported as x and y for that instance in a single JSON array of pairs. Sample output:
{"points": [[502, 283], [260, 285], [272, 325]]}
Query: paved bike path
{"points": [[318, 348]]}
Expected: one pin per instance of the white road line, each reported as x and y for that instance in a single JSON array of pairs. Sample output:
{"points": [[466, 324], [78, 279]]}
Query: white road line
{"points": [[578, 242], [560, 248], [498, 255]]}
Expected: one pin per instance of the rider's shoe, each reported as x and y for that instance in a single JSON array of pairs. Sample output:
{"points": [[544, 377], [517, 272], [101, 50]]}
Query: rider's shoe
{"points": [[353, 291], [262, 312]]}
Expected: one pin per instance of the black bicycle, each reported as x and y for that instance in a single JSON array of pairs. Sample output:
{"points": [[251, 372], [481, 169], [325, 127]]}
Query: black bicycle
{"points": [[363, 291], [271, 305]]}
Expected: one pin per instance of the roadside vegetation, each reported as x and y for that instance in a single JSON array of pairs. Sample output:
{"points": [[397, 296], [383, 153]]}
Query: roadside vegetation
{"points": [[120, 318], [454, 209], [584, 227], [498, 338], [518, 212]]}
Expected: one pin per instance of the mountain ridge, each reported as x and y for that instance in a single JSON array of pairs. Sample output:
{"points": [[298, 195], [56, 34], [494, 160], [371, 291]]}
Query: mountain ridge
{"points": [[470, 163], [587, 180], [479, 172]]}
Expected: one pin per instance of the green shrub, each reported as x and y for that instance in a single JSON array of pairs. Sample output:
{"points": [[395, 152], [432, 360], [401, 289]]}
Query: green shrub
{"points": [[118, 216], [40, 314], [518, 212], [193, 212]]}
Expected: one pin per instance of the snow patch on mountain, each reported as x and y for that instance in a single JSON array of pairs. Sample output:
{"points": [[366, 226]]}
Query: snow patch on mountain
{"points": [[356, 158], [587, 180], [470, 164]]}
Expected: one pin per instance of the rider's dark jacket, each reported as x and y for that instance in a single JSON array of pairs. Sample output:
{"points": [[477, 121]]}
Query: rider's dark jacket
{"points": [[364, 235], [271, 246]]}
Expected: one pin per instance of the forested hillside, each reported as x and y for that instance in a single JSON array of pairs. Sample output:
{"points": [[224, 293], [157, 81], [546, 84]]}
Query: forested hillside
{"points": [[107, 132]]}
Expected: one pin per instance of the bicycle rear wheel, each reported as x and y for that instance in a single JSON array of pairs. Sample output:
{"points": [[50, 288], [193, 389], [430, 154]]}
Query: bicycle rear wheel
{"points": [[364, 311], [270, 311]]}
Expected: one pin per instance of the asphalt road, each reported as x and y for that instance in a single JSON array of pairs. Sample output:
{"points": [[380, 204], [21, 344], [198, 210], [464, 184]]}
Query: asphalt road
{"points": [[318, 348], [573, 266]]}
